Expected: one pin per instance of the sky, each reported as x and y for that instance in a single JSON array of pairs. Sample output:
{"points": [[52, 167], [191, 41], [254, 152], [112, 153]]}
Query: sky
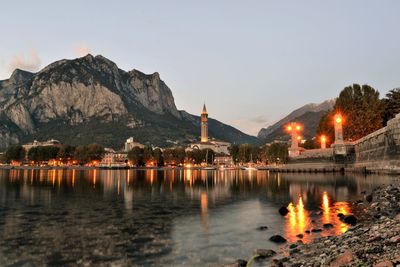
{"points": [[251, 62]]}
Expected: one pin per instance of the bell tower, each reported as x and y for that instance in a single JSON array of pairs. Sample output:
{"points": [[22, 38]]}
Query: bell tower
{"points": [[204, 125]]}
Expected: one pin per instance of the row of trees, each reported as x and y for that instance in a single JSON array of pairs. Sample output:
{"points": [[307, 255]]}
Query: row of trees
{"points": [[363, 111], [275, 153], [80, 154]]}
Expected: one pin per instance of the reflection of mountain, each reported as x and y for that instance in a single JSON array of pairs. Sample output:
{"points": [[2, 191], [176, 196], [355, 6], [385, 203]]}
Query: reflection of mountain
{"points": [[147, 217]]}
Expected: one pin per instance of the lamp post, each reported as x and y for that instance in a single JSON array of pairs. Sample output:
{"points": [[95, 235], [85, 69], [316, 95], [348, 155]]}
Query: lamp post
{"points": [[294, 129], [338, 129], [338, 147], [323, 141]]}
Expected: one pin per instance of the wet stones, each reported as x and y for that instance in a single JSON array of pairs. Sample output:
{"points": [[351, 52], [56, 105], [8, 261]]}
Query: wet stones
{"points": [[369, 198], [300, 236], [316, 230], [350, 219], [237, 263], [264, 253], [277, 239], [283, 211]]}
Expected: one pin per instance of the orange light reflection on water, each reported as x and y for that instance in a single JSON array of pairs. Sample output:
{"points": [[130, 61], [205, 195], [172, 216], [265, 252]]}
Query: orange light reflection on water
{"points": [[204, 210], [298, 220], [325, 207]]}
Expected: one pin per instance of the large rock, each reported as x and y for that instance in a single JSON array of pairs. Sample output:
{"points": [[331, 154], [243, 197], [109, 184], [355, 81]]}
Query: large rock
{"points": [[283, 211], [264, 253], [350, 219], [277, 239]]}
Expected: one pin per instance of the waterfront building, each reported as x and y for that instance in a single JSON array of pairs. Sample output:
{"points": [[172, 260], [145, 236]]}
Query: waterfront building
{"points": [[35, 143], [223, 160], [112, 158], [218, 147], [130, 143]]}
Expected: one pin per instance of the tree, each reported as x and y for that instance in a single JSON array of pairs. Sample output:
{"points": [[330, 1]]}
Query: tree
{"points": [[208, 155], [147, 154], [247, 153], [309, 144], [85, 154], [278, 153], [158, 157], [135, 155], [95, 152], [391, 105], [196, 156], [66, 152], [234, 152], [361, 109], [16, 153], [43, 153]]}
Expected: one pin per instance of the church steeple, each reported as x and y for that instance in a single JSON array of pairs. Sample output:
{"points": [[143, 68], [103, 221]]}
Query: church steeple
{"points": [[204, 109], [204, 125]]}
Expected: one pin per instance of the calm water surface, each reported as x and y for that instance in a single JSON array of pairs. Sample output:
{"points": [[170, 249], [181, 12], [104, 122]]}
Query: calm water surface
{"points": [[165, 217]]}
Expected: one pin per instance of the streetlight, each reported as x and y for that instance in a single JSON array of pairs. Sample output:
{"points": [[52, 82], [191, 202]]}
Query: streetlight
{"points": [[323, 141], [338, 128], [294, 128]]}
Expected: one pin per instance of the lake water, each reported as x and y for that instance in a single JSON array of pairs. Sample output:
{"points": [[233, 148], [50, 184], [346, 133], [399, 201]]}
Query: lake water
{"points": [[164, 217]]}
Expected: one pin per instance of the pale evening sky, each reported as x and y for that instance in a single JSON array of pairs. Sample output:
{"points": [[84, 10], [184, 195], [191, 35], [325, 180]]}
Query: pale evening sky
{"points": [[252, 62]]}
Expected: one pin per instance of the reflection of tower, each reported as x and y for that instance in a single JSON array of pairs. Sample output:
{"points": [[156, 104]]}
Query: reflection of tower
{"points": [[204, 125]]}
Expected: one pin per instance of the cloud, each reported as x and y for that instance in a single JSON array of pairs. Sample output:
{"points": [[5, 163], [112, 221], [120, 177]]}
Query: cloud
{"points": [[259, 119], [29, 62], [250, 125], [81, 50]]}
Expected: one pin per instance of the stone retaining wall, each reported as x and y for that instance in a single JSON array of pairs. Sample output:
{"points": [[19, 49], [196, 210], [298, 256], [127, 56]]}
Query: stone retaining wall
{"points": [[380, 150]]}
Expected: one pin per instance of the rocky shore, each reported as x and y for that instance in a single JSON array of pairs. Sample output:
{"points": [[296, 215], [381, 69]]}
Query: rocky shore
{"points": [[373, 240]]}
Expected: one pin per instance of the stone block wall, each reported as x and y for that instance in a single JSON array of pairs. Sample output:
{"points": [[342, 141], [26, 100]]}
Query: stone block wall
{"points": [[380, 145], [380, 150]]}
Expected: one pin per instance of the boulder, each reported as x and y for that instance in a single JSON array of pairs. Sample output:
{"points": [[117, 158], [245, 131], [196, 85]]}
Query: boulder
{"points": [[264, 253], [277, 239], [350, 219], [300, 236], [283, 211]]}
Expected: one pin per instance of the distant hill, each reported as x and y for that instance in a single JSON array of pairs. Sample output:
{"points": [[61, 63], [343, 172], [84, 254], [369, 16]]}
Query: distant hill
{"points": [[89, 99], [308, 115]]}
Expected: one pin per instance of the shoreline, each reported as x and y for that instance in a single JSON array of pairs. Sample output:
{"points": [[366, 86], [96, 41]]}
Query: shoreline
{"points": [[373, 241]]}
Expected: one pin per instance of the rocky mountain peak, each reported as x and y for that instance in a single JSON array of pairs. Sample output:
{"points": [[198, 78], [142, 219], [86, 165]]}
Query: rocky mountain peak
{"points": [[89, 99], [20, 76]]}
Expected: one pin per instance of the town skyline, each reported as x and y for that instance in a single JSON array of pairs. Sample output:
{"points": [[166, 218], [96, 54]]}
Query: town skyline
{"points": [[244, 53]]}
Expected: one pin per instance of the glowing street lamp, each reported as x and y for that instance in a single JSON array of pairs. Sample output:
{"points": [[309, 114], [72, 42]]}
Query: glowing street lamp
{"points": [[338, 128], [294, 128], [323, 141]]}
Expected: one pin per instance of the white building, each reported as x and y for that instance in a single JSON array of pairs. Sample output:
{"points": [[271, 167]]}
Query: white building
{"points": [[130, 143], [35, 143]]}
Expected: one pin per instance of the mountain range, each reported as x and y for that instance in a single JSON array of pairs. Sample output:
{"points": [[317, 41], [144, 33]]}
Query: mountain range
{"points": [[89, 99], [308, 115]]}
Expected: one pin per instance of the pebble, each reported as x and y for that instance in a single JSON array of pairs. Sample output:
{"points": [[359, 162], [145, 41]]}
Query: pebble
{"points": [[374, 241]]}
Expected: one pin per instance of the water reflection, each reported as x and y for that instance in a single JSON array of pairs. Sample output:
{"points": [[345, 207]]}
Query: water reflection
{"points": [[163, 217]]}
